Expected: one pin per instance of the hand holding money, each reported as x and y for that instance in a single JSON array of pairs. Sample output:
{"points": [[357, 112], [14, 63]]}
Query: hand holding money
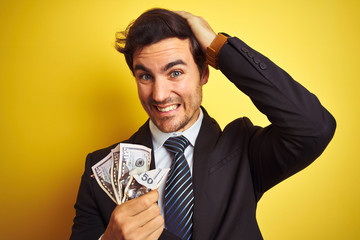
{"points": [[124, 173], [138, 218]]}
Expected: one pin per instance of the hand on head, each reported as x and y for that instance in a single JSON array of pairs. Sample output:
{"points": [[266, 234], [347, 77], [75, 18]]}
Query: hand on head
{"points": [[200, 27]]}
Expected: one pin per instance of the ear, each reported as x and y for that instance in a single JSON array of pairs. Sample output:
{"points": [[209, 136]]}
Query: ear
{"points": [[205, 75]]}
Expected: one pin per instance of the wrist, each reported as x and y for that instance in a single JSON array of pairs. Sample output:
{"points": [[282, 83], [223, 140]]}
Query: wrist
{"points": [[212, 51]]}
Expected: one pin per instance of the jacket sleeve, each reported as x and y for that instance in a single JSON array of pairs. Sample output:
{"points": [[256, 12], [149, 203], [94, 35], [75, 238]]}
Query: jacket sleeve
{"points": [[300, 126], [88, 223]]}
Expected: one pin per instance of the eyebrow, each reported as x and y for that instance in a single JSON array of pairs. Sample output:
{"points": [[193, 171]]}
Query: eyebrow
{"points": [[141, 67], [164, 69], [174, 63]]}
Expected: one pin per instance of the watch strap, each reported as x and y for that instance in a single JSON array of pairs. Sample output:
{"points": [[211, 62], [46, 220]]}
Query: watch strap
{"points": [[212, 52]]}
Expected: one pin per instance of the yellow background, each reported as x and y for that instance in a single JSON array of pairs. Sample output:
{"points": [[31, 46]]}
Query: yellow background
{"points": [[65, 91]]}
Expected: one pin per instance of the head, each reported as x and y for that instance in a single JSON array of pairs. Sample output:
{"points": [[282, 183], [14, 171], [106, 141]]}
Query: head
{"points": [[169, 67], [153, 26]]}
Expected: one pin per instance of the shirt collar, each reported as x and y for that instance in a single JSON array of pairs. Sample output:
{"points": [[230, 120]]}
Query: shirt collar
{"points": [[159, 137]]}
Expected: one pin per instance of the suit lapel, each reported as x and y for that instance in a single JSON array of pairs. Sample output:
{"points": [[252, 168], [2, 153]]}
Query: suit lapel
{"points": [[206, 140]]}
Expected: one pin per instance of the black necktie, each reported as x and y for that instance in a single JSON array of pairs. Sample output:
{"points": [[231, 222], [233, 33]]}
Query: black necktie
{"points": [[179, 198]]}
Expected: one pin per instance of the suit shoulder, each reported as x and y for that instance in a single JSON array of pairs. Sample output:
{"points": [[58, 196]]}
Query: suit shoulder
{"points": [[99, 154], [239, 132], [242, 123]]}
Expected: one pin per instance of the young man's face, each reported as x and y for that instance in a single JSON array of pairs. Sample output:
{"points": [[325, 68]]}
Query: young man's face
{"points": [[169, 83]]}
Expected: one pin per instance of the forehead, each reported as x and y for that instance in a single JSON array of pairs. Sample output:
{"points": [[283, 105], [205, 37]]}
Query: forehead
{"points": [[164, 51]]}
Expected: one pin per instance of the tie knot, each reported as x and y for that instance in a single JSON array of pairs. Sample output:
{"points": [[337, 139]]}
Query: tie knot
{"points": [[176, 144]]}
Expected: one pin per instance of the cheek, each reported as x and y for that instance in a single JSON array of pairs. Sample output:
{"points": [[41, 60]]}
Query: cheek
{"points": [[187, 87], [143, 92], [192, 97]]}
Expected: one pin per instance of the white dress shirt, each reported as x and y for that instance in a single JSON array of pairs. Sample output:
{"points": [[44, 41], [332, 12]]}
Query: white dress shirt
{"points": [[163, 159]]}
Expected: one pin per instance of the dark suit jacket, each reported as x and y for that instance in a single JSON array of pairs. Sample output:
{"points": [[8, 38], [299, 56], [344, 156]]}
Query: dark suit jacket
{"points": [[234, 167]]}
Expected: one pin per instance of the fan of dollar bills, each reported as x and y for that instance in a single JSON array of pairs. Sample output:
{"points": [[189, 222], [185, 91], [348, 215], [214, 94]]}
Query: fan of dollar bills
{"points": [[124, 173]]}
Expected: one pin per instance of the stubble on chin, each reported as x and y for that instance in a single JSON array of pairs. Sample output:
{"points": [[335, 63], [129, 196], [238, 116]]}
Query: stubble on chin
{"points": [[169, 124]]}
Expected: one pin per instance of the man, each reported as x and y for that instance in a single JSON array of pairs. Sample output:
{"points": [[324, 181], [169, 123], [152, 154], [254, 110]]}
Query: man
{"points": [[229, 169]]}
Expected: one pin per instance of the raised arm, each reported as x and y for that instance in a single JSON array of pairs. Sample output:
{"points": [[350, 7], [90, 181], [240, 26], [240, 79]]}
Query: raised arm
{"points": [[300, 126]]}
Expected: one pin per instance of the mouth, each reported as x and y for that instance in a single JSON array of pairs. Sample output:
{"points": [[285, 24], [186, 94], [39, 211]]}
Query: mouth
{"points": [[167, 108]]}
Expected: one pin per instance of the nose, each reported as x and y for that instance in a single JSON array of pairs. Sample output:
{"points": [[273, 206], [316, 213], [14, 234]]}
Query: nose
{"points": [[161, 90]]}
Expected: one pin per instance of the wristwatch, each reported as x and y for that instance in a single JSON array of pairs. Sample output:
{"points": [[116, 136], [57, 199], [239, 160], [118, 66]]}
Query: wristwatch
{"points": [[212, 52]]}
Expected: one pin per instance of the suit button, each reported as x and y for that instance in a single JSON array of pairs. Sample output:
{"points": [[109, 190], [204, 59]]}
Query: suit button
{"points": [[251, 55], [244, 49], [263, 66], [256, 60]]}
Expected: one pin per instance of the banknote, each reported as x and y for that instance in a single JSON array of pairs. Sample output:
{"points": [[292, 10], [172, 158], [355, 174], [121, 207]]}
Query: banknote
{"points": [[133, 189], [134, 159], [123, 174], [153, 178], [115, 173], [137, 185], [102, 174]]}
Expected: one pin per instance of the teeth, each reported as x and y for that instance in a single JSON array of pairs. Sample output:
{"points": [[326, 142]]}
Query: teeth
{"points": [[169, 108]]}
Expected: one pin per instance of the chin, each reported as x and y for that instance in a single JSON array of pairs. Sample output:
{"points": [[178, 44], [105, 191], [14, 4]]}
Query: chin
{"points": [[170, 127]]}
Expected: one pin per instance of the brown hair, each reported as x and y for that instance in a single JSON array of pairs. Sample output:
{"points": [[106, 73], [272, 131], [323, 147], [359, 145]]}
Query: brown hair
{"points": [[153, 26]]}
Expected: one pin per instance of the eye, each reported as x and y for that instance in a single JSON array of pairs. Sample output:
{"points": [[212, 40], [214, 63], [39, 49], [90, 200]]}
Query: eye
{"points": [[144, 77], [175, 74]]}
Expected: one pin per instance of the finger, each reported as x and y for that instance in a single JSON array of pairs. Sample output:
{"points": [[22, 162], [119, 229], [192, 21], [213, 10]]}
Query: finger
{"points": [[155, 235], [200, 27], [148, 215], [154, 228], [137, 205], [184, 14]]}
